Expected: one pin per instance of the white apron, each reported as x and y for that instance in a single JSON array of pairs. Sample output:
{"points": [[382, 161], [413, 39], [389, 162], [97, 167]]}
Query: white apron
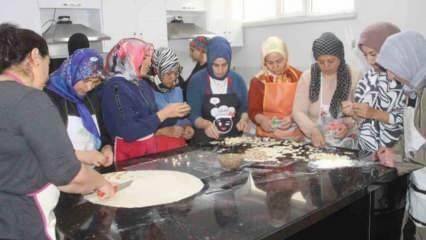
{"points": [[46, 199], [81, 138]]}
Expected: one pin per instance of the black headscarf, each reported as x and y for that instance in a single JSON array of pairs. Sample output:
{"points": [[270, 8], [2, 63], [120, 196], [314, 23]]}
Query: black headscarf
{"points": [[329, 44]]}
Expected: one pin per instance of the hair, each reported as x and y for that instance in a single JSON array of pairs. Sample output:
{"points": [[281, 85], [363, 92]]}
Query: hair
{"points": [[77, 41], [16, 43]]}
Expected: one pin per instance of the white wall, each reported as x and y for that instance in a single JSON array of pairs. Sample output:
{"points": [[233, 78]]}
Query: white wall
{"points": [[299, 36], [19, 10]]}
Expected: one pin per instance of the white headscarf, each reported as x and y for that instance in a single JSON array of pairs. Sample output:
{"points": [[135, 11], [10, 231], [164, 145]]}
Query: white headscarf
{"points": [[404, 54]]}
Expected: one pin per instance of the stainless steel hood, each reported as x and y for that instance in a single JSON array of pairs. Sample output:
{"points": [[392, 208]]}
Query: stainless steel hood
{"points": [[61, 31], [180, 30]]}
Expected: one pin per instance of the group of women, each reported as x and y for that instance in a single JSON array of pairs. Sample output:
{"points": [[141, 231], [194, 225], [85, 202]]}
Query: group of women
{"points": [[97, 113]]}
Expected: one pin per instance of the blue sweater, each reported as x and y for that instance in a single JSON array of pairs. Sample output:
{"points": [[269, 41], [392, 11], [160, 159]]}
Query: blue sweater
{"points": [[129, 110], [197, 89], [162, 99]]}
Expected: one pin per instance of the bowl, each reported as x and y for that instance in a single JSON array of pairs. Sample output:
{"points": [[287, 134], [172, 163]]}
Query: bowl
{"points": [[230, 161]]}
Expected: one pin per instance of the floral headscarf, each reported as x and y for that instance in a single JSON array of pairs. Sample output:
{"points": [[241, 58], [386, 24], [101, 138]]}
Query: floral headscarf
{"points": [[126, 58], [82, 64]]}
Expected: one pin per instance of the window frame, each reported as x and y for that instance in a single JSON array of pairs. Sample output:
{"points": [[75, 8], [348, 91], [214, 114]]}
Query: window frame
{"points": [[306, 16]]}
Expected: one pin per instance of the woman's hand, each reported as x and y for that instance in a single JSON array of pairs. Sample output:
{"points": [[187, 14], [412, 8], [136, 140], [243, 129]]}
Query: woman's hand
{"points": [[106, 190], [211, 131], [243, 124], [386, 156], [363, 110], [174, 110], [341, 130], [91, 157], [109, 156], [317, 138], [188, 132], [347, 108], [264, 122], [286, 123]]}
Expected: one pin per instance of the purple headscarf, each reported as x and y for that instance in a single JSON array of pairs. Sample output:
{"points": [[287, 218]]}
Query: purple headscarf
{"points": [[82, 64]]}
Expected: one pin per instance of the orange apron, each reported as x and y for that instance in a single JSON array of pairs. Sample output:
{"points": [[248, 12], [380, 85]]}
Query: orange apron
{"points": [[278, 101]]}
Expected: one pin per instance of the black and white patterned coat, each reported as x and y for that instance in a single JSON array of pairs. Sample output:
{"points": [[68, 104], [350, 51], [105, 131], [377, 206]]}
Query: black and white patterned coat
{"points": [[384, 95]]}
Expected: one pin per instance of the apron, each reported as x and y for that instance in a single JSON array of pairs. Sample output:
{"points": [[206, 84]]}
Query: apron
{"points": [[81, 138], [278, 101], [221, 109], [124, 150], [46, 197], [328, 126]]}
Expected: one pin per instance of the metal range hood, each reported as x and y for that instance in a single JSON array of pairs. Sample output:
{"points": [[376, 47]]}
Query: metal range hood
{"points": [[63, 29], [177, 29]]}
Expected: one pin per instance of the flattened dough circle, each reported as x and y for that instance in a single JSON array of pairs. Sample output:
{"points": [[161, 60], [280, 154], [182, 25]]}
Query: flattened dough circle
{"points": [[150, 188]]}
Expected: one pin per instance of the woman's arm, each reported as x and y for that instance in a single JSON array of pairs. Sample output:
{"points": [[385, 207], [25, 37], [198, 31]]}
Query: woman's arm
{"points": [[120, 114], [45, 135], [301, 105]]}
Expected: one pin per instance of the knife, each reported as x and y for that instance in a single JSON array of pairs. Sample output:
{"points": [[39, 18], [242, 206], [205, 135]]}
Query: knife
{"points": [[117, 187]]}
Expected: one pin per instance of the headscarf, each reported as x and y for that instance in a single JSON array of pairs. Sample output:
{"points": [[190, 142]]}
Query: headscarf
{"points": [[329, 44], [375, 35], [200, 43], [126, 58], [405, 55], [273, 45], [77, 41], [83, 64], [218, 47], [164, 60]]}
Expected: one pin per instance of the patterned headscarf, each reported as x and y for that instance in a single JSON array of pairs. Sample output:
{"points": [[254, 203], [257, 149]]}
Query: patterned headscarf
{"points": [[83, 64], [126, 58], [200, 43], [163, 61], [329, 44], [218, 47], [405, 55]]}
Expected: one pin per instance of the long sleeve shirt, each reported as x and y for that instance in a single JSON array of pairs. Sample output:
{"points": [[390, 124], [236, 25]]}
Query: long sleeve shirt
{"points": [[129, 109], [305, 112], [162, 99], [197, 90]]}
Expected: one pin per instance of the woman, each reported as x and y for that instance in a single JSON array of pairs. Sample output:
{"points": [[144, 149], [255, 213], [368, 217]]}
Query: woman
{"points": [[35, 154], [378, 101], [70, 88], [403, 55], [217, 96], [174, 131], [128, 105], [271, 93], [320, 93]]}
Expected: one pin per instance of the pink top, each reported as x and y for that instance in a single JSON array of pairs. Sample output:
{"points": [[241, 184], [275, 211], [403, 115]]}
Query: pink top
{"points": [[306, 113]]}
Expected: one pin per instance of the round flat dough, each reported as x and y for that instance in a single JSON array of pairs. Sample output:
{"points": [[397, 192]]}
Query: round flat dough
{"points": [[150, 188]]}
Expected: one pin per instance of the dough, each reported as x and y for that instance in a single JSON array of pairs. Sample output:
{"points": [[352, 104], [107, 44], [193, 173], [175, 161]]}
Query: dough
{"points": [[150, 188]]}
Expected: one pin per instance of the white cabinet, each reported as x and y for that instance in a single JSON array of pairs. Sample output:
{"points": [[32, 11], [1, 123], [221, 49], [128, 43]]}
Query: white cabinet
{"points": [[144, 19], [185, 5], [224, 18], [86, 4], [24, 13]]}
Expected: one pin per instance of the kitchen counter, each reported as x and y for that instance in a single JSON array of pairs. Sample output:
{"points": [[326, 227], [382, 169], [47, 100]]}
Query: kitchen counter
{"points": [[251, 203]]}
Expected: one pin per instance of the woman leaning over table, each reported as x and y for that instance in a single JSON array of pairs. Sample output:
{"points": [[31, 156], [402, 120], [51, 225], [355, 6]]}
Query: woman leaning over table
{"points": [[321, 90], [36, 156], [271, 93]]}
